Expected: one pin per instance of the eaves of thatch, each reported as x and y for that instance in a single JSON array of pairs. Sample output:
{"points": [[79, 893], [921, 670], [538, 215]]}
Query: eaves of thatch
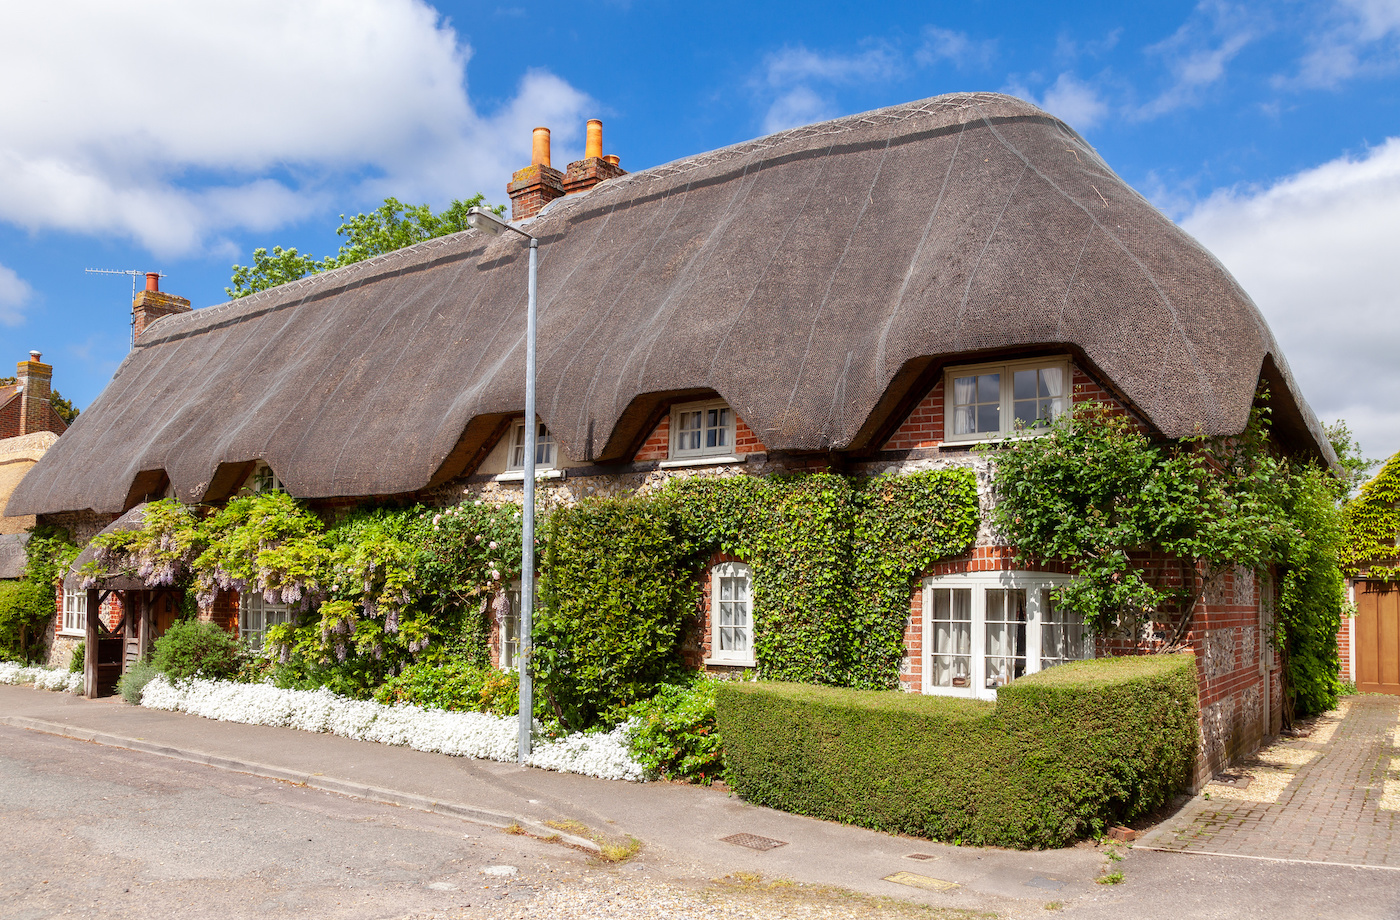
{"points": [[812, 278]]}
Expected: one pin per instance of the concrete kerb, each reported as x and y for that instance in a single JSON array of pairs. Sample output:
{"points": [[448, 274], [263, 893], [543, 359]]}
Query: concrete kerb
{"points": [[470, 813]]}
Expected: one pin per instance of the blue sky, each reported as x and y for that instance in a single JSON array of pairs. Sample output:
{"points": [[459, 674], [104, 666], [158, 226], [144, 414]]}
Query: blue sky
{"points": [[175, 136]]}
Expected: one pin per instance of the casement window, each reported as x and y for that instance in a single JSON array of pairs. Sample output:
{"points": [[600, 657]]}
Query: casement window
{"points": [[994, 400], [731, 614], [984, 630], [510, 630], [702, 430], [255, 615], [544, 447], [74, 613]]}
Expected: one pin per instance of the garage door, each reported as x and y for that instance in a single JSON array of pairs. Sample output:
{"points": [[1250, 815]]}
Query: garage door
{"points": [[1377, 637]]}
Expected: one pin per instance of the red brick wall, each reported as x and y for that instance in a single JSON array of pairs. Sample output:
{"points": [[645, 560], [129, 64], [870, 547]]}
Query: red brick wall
{"points": [[923, 427]]}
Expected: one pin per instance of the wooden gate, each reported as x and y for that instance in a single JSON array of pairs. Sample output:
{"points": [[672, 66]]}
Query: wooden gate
{"points": [[1377, 637]]}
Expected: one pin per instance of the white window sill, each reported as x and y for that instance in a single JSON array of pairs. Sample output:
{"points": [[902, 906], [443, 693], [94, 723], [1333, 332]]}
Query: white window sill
{"points": [[699, 461], [730, 663], [964, 441], [519, 475], [73, 633]]}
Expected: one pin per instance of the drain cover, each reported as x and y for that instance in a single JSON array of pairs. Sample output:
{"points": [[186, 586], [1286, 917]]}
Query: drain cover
{"points": [[921, 881], [753, 841], [921, 856], [1051, 884]]}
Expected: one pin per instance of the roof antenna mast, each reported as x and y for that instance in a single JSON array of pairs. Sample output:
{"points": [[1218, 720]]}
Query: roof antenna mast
{"points": [[134, 275]]}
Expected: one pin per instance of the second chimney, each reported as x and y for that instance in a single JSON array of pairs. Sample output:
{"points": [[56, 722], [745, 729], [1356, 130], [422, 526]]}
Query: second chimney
{"points": [[150, 305], [594, 167]]}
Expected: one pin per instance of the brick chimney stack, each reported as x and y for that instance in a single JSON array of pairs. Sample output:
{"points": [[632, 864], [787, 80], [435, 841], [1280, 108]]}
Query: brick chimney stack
{"points": [[536, 185], [150, 305], [594, 167], [35, 379]]}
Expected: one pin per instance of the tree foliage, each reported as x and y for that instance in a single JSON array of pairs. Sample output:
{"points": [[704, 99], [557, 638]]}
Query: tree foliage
{"points": [[393, 225], [1354, 469], [1372, 526]]}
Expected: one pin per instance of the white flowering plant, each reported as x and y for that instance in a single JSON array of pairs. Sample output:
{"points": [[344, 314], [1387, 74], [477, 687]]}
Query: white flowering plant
{"points": [[463, 734], [41, 678]]}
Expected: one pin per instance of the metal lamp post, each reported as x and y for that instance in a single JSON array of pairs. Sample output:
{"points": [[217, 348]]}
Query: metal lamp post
{"points": [[479, 219]]}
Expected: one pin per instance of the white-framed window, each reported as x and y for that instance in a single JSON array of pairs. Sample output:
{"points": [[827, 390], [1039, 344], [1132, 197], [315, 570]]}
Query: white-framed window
{"points": [[702, 429], [255, 615], [987, 401], [74, 613], [983, 630], [731, 614], [510, 629], [544, 447], [263, 479]]}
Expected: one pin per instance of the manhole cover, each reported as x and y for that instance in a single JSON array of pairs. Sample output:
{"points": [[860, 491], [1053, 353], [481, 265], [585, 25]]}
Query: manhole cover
{"points": [[920, 881], [753, 841], [921, 856], [1050, 884]]}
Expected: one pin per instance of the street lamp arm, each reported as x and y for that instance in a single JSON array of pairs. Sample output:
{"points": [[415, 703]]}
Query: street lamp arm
{"points": [[488, 222]]}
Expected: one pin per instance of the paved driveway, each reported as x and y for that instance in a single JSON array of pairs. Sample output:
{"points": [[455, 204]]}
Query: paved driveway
{"points": [[1330, 797]]}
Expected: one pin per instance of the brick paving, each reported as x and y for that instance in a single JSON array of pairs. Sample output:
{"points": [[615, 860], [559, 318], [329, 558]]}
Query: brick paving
{"points": [[1331, 811]]}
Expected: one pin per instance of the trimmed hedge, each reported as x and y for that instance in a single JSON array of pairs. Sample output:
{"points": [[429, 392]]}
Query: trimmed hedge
{"points": [[1061, 754]]}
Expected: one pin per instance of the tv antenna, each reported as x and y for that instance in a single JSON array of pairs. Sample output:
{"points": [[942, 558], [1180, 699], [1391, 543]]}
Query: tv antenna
{"points": [[135, 274]]}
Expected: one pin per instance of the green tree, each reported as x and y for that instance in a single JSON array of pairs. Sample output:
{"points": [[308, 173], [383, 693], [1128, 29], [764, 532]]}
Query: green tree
{"points": [[1355, 469], [393, 225]]}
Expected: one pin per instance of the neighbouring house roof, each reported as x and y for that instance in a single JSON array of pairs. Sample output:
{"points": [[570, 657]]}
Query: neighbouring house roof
{"points": [[808, 278], [12, 557]]}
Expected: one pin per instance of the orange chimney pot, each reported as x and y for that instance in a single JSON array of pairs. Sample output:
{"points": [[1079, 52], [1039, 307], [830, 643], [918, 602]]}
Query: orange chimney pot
{"points": [[593, 146], [539, 154], [153, 281]]}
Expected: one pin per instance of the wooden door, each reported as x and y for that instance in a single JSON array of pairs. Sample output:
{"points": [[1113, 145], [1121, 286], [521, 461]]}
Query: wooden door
{"points": [[1377, 637]]}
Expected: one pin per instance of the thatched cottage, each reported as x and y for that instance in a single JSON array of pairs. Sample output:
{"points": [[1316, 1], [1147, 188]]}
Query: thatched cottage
{"points": [[879, 292]]}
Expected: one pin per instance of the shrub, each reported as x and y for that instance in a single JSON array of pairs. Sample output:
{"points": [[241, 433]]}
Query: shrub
{"points": [[77, 662], [1062, 753], [675, 735], [455, 686], [191, 648], [26, 607], [130, 684]]}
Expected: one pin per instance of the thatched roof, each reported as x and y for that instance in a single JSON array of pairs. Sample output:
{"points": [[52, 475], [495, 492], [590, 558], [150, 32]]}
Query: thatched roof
{"points": [[12, 554], [810, 278]]}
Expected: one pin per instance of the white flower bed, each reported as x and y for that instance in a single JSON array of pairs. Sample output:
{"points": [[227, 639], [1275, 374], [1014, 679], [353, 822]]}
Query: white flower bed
{"points": [[41, 678], [462, 734]]}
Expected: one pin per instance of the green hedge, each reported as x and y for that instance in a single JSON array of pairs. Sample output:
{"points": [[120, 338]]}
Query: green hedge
{"points": [[26, 614], [1061, 754]]}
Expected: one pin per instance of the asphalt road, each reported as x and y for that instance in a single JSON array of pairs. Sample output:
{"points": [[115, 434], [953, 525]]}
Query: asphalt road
{"points": [[88, 830]]}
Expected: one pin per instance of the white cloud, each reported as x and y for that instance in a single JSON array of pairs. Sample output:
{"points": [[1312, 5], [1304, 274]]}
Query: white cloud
{"points": [[1316, 251], [14, 296], [162, 119], [1071, 100], [1361, 36], [789, 81], [955, 47], [1197, 54]]}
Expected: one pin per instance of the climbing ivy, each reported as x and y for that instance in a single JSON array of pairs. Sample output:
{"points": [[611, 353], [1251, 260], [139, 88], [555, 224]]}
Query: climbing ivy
{"points": [[833, 558], [1149, 525]]}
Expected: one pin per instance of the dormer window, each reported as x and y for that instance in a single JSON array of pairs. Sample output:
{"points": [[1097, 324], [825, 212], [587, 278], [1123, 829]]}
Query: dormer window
{"points": [[988, 401], [544, 447], [263, 479], [704, 429]]}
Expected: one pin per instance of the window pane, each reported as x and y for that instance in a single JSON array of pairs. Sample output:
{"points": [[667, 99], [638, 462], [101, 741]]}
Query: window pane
{"points": [[952, 637], [510, 630], [1063, 635], [1024, 384], [989, 418], [1005, 652], [989, 388]]}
